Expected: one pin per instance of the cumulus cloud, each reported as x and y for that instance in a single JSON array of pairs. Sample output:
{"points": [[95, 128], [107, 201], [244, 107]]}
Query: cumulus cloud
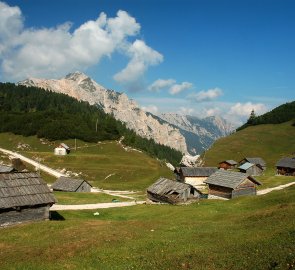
{"points": [[142, 56], [212, 112], [208, 95], [151, 108], [161, 84], [244, 109], [52, 52], [186, 111], [177, 88]]}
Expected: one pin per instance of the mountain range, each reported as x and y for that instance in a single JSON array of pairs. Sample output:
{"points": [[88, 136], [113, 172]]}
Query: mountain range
{"points": [[187, 134]]}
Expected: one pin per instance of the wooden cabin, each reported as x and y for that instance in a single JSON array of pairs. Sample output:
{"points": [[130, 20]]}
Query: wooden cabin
{"points": [[286, 166], [229, 184], [71, 185], [173, 192], [256, 160], [24, 197], [251, 169], [227, 164], [195, 176]]}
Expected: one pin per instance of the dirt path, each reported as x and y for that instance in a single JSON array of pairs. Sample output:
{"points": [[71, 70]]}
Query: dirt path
{"points": [[34, 163], [267, 190], [59, 207]]}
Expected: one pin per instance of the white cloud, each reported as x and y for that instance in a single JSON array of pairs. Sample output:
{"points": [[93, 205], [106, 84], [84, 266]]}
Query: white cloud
{"points": [[212, 112], [186, 111], [142, 56], [161, 84], [52, 52], [208, 95], [244, 109], [177, 88], [151, 108]]}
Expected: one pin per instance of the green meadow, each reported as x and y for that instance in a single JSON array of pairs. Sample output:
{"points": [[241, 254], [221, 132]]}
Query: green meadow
{"points": [[244, 233]]}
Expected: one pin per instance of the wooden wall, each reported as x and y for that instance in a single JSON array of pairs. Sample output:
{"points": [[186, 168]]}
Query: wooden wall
{"points": [[11, 216], [85, 187]]}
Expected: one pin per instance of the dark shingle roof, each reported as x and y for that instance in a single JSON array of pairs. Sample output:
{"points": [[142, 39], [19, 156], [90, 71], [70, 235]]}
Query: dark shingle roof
{"points": [[230, 162], [286, 163], [166, 186], [229, 179], [256, 160], [23, 189], [6, 169], [67, 184], [198, 171]]}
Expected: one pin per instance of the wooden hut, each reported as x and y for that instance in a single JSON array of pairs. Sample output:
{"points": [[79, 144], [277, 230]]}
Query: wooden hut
{"points": [[195, 176], [256, 160], [24, 197], [62, 150], [173, 192], [286, 166], [71, 185], [227, 164], [251, 169], [228, 184]]}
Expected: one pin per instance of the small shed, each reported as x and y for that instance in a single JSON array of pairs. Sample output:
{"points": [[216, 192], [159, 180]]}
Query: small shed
{"points": [[228, 164], [254, 160], [286, 166], [173, 192], [195, 176], [251, 169], [62, 150], [24, 197], [6, 169], [71, 185], [229, 184]]}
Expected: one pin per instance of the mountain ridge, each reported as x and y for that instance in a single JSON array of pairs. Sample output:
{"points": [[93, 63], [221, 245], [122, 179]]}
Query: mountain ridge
{"points": [[165, 131]]}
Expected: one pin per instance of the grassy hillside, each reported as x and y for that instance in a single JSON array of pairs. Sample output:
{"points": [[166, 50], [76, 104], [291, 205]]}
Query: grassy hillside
{"points": [[271, 142], [106, 165], [244, 233]]}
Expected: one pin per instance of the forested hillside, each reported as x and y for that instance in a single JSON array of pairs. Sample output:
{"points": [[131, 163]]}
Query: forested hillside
{"points": [[281, 114], [31, 111]]}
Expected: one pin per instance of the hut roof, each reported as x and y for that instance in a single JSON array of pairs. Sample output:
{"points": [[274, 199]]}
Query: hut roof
{"points": [[286, 162], [256, 160], [198, 171], [166, 186], [246, 166], [23, 189], [64, 146], [6, 169], [229, 179], [68, 184], [230, 162]]}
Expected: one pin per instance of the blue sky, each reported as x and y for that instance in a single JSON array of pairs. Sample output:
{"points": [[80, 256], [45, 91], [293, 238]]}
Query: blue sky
{"points": [[203, 58]]}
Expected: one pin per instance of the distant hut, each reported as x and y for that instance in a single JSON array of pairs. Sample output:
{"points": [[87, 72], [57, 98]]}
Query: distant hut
{"points": [[62, 150], [7, 169], [24, 197], [195, 176], [227, 164], [228, 184], [256, 160], [173, 192], [286, 166], [71, 185], [251, 169]]}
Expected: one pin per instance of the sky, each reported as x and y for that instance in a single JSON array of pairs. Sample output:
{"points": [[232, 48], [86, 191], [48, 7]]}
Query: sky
{"points": [[191, 57]]}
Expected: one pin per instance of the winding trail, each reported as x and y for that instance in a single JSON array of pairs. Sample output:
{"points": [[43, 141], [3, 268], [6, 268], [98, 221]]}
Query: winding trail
{"points": [[267, 190], [59, 207], [34, 163]]}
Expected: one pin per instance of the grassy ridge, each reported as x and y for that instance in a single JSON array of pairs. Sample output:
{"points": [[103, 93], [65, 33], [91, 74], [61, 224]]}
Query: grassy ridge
{"points": [[127, 170], [244, 233], [271, 142]]}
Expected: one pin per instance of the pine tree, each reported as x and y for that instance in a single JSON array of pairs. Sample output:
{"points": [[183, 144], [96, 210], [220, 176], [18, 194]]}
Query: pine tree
{"points": [[252, 117]]}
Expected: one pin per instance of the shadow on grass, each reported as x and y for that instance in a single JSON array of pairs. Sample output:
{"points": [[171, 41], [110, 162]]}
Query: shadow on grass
{"points": [[54, 215]]}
